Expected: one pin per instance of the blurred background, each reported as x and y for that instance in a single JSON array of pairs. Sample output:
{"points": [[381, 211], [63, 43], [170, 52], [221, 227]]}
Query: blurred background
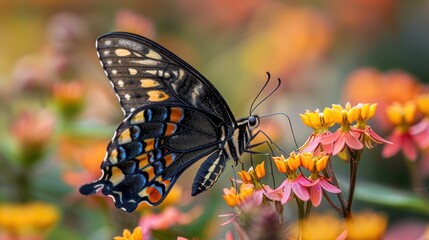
{"points": [[58, 110]]}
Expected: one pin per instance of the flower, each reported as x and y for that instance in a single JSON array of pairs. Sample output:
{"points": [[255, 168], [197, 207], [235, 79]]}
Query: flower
{"points": [[35, 218], [69, 97], [129, 21], [293, 183], [420, 131], [366, 225], [362, 130], [33, 132], [319, 226], [402, 115], [345, 135], [320, 122], [127, 235], [167, 218], [315, 164], [252, 177]]}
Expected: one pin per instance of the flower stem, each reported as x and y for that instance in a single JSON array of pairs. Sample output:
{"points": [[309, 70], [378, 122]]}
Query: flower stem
{"points": [[301, 216], [329, 171], [354, 162]]}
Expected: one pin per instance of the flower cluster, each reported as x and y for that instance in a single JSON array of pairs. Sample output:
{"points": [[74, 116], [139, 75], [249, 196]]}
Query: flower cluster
{"points": [[309, 174], [408, 135]]}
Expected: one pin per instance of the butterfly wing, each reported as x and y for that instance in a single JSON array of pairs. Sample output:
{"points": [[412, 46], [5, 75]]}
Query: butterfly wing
{"points": [[143, 72], [174, 117]]}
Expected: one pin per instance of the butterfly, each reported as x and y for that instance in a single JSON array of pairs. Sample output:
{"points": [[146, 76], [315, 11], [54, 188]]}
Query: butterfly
{"points": [[174, 117]]}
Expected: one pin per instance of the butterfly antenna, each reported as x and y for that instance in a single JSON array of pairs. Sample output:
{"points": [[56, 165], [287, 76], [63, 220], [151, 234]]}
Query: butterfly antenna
{"points": [[269, 95], [290, 124], [260, 92]]}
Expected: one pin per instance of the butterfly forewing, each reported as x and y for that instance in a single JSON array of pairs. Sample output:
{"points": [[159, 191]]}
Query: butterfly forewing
{"points": [[173, 118]]}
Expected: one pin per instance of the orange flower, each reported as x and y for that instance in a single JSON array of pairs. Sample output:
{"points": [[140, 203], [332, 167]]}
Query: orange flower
{"points": [[127, 235], [129, 21]]}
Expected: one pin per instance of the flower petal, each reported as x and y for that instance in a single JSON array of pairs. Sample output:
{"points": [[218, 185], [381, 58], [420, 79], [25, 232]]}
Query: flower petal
{"points": [[316, 195], [389, 150], [352, 142], [328, 186], [300, 191]]}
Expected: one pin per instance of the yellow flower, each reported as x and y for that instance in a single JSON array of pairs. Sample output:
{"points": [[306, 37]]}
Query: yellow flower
{"points": [[314, 163], [232, 198], [423, 104], [127, 235], [253, 175], [366, 225], [318, 120], [344, 116], [288, 165], [38, 218], [319, 226], [401, 114]]}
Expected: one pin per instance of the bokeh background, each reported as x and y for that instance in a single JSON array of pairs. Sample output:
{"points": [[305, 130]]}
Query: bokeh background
{"points": [[58, 110]]}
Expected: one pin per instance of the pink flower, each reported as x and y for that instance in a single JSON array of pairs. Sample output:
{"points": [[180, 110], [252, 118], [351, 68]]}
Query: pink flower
{"points": [[401, 140], [266, 191], [341, 139], [315, 144], [169, 217], [420, 133], [316, 188], [369, 136], [297, 185]]}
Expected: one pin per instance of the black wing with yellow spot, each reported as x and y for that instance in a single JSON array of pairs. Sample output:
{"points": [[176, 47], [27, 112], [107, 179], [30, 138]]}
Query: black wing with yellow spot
{"points": [[174, 117]]}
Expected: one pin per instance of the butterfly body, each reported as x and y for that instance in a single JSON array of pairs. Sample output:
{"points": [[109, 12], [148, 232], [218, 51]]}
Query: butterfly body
{"points": [[174, 117]]}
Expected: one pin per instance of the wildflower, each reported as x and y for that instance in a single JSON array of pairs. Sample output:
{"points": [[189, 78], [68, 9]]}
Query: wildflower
{"points": [[420, 131], [129, 21], [366, 225], [320, 123], [36, 218], [344, 136], [294, 182], [362, 130], [260, 190], [319, 226], [315, 164], [167, 218], [69, 97], [127, 235], [233, 198], [33, 131], [402, 115]]}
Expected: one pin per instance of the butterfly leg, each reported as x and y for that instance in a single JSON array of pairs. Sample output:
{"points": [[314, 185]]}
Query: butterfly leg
{"points": [[269, 142]]}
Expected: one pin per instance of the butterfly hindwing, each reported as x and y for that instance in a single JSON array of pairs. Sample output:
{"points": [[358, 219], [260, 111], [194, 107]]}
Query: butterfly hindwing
{"points": [[149, 151]]}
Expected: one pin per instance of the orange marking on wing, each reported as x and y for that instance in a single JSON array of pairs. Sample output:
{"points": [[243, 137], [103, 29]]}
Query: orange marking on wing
{"points": [[150, 144], [157, 96], [138, 118], [117, 176], [176, 114], [113, 158], [168, 159], [148, 83], [125, 137], [170, 129], [153, 194], [143, 160], [150, 172]]}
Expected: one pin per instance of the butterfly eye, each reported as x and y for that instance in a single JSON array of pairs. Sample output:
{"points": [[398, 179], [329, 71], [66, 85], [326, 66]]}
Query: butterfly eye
{"points": [[253, 121]]}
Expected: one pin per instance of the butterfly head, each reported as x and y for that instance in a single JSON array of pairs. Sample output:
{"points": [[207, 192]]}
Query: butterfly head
{"points": [[253, 121]]}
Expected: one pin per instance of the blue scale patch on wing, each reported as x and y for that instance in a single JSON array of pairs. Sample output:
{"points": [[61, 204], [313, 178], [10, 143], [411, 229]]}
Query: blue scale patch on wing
{"points": [[149, 151]]}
